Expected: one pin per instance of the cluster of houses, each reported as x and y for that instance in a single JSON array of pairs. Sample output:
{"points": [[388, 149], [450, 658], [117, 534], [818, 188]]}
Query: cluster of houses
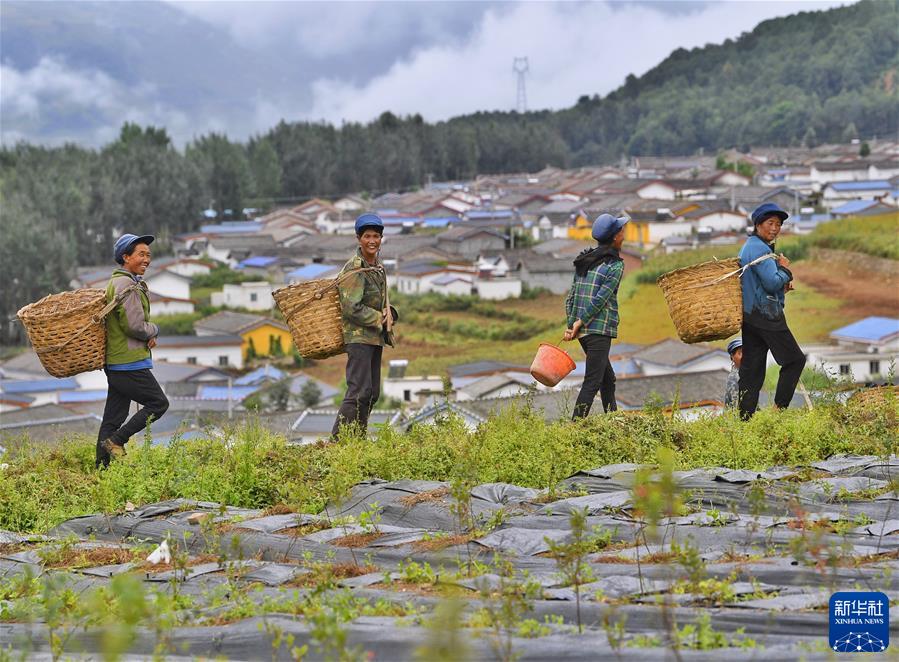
{"points": [[495, 237]]}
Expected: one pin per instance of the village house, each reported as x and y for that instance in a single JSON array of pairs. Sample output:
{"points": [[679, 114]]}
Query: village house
{"points": [[315, 424], [184, 266], [469, 242], [426, 276], [254, 295], [822, 173], [438, 411], [222, 351], [835, 193], [262, 336], [671, 356], [45, 424], [864, 351], [232, 248], [409, 389], [863, 208]]}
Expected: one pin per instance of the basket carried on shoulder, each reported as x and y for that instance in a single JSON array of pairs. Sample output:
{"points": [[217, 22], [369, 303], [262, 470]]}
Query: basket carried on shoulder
{"points": [[705, 300], [312, 312], [67, 331]]}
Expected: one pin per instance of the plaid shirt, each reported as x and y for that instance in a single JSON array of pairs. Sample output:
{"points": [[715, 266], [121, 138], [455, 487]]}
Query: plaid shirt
{"points": [[593, 299]]}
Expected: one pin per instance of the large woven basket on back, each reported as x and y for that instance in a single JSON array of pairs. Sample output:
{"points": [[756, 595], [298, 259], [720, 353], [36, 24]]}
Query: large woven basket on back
{"points": [[312, 311], [705, 300], [67, 331]]}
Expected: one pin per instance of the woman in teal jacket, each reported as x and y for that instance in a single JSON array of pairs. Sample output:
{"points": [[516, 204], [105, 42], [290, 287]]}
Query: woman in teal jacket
{"points": [[764, 324]]}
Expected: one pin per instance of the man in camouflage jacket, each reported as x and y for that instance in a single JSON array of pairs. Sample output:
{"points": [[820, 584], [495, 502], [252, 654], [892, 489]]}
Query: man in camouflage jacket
{"points": [[365, 309]]}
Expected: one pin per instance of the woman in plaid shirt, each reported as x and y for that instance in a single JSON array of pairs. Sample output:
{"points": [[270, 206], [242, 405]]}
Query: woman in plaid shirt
{"points": [[592, 311]]}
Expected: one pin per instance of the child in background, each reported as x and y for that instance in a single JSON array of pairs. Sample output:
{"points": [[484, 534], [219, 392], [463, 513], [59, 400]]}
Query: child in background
{"points": [[732, 387]]}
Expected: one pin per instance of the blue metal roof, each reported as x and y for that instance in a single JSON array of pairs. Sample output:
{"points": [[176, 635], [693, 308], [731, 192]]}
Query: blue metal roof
{"points": [[871, 329], [854, 206], [870, 185], [236, 393], [38, 385], [401, 220], [311, 271], [92, 395], [224, 228], [259, 375], [257, 261]]}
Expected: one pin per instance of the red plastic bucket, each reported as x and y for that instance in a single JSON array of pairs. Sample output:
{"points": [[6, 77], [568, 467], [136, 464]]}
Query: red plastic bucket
{"points": [[551, 364]]}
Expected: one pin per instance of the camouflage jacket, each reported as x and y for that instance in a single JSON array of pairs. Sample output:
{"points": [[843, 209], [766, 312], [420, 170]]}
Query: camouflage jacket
{"points": [[732, 388], [362, 298]]}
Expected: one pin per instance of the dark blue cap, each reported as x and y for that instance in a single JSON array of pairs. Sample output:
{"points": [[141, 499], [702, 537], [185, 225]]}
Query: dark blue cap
{"points": [[734, 345], [607, 226], [369, 221], [126, 241], [767, 209]]}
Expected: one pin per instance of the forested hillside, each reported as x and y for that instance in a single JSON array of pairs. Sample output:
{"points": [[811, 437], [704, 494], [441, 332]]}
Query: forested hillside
{"points": [[812, 77]]}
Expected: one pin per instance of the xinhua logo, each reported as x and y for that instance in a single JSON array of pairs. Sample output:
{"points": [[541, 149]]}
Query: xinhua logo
{"points": [[859, 622]]}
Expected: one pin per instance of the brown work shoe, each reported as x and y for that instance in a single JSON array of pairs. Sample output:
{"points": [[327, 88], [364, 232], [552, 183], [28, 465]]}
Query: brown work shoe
{"points": [[114, 449]]}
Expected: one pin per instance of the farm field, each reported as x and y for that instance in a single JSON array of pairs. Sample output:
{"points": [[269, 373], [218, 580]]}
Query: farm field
{"points": [[614, 536]]}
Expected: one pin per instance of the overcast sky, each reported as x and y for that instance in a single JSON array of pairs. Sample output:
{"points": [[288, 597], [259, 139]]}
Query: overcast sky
{"points": [[353, 60], [444, 59]]}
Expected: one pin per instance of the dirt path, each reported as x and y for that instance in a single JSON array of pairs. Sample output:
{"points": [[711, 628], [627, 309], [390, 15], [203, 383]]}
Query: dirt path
{"points": [[863, 292]]}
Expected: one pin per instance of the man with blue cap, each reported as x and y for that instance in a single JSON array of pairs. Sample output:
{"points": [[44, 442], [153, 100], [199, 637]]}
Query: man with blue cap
{"points": [[368, 321], [130, 335], [765, 282], [592, 311], [732, 385]]}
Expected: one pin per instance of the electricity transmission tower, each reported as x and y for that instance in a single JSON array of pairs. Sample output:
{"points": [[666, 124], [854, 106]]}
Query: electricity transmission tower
{"points": [[520, 66]]}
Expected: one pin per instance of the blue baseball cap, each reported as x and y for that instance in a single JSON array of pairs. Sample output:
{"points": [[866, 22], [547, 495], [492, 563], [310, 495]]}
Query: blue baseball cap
{"points": [[607, 226], [369, 221], [126, 241], [767, 209], [734, 345]]}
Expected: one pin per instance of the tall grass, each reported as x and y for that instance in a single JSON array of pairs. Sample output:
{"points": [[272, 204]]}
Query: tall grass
{"points": [[250, 467]]}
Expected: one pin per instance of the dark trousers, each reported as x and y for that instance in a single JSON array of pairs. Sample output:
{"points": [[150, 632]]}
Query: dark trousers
{"points": [[787, 353], [363, 386], [599, 376], [126, 387]]}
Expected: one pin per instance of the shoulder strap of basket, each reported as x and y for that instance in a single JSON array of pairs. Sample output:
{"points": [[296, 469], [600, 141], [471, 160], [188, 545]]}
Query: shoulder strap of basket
{"points": [[95, 319], [735, 272], [320, 292]]}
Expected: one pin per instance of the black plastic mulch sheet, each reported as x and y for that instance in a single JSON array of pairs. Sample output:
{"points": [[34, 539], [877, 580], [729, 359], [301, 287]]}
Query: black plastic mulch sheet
{"points": [[781, 551]]}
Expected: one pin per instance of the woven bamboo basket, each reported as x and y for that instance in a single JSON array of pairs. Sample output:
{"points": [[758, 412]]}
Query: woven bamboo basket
{"points": [[312, 311], [705, 300], [67, 331]]}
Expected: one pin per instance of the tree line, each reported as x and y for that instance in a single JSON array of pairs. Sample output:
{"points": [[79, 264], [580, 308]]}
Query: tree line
{"points": [[808, 78]]}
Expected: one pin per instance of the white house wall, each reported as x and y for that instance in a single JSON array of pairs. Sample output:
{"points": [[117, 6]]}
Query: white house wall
{"points": [[94, 380], [659, 231], [167, 284], [208, 356], [241, 296], [397, 388], [723, 221], [189, 269], [657, 192], [716, 361], [172, 307], [498, 289]]}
